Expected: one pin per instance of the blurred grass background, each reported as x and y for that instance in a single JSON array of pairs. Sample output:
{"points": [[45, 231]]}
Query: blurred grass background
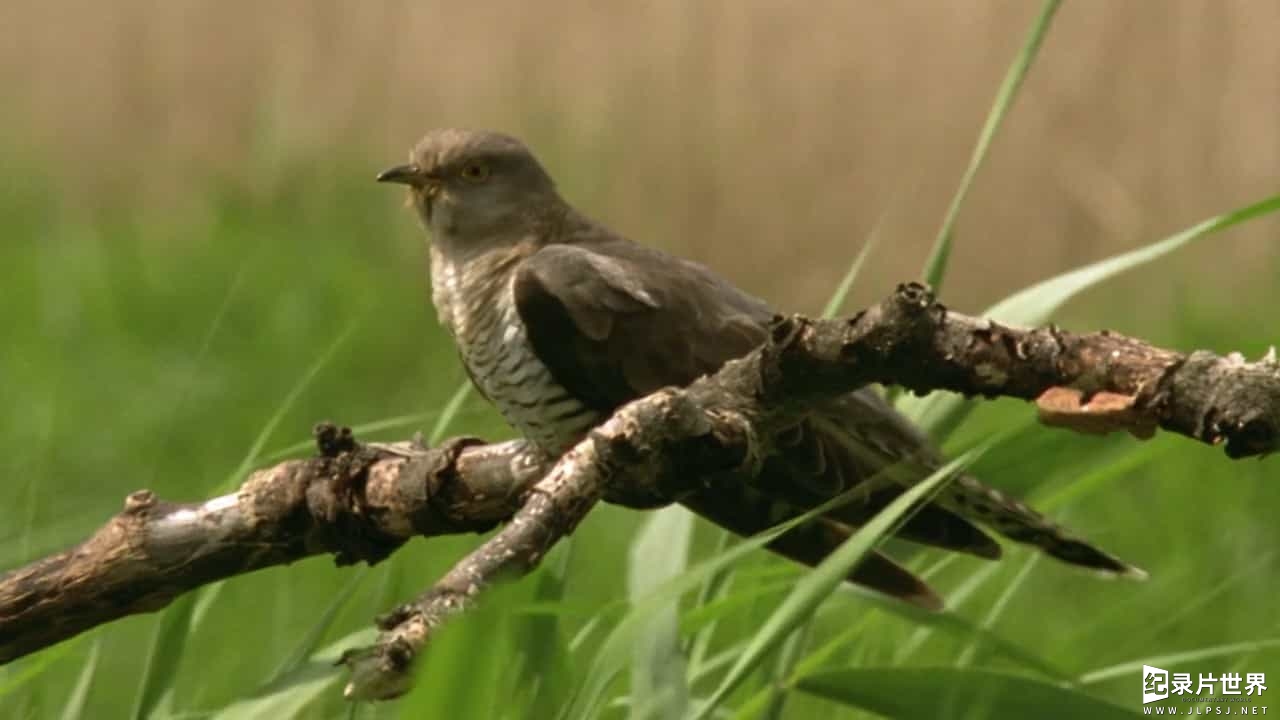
{"points": [[190, 226]]}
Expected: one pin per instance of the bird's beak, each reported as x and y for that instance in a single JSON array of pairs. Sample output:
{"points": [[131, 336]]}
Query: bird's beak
{"points": [[402, 174]]}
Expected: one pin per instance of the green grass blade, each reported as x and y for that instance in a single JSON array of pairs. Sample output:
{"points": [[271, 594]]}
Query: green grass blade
{"points": [[955, 598], [74, 709], [615, 650], [1133, 458], [286, 404], [1036, 304], [935, 268], [206, 597], [941, 692], [659, 553], [470, 651], [164, 656], [755, 706], [289, 694], [826, 651], [209, 594], [817, 585], [1201, 603], [710, 594], [310, 640], [1179, 658], [206, 343], [788, 656], [360, 431], [962, 628], [837, 299], [585, 632], [965, 658], [450, 412], [698, 618], [31, 497], [292, 695], [543, 676], [444, 419], [721, 660], [24, 671]]}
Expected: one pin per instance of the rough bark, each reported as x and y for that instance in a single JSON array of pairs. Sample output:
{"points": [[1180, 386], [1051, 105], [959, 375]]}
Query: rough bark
{"points": [[354, 502]]}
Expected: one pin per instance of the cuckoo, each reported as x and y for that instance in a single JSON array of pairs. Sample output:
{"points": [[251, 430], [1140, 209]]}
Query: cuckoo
{"points": [[559, 321]]}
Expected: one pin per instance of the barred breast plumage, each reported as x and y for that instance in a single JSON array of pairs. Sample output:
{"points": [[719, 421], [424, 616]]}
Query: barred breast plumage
{"points": [[475, 304]]}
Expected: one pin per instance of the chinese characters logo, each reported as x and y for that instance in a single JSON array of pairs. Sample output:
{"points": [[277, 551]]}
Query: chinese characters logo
{"points": [[1159, 684]]}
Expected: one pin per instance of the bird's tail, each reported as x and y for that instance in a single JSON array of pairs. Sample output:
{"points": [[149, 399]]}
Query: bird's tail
{"points": [[873, 437], [737, 507], [1011, 518]]}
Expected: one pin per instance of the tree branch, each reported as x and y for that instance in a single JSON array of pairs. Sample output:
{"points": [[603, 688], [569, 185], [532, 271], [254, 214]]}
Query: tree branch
{"points": [[357, 503], [361, 502]]}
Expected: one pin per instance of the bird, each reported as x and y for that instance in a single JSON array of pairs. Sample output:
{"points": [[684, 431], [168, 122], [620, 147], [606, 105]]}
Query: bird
{"points": [[559, 321]]}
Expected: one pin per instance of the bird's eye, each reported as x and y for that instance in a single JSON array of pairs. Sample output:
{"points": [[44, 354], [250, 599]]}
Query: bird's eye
{"points": [[475, 172]]}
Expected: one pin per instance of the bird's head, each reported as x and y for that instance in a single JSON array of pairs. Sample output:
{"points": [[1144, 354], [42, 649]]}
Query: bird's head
{"points": [[473, 187]]}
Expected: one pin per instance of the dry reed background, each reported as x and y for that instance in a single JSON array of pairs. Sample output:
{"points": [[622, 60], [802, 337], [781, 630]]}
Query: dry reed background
{"points": [[764, 137]]}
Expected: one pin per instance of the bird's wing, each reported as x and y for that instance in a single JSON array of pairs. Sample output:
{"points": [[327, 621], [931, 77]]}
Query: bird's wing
{"points": [[614, 321]]}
